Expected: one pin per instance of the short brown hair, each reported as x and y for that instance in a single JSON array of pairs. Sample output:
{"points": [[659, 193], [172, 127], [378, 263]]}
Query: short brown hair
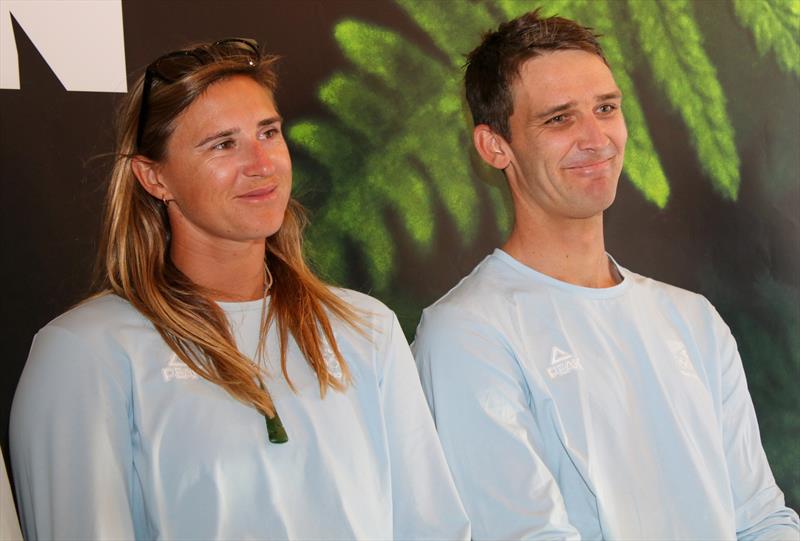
{"points": [[494, 64]]}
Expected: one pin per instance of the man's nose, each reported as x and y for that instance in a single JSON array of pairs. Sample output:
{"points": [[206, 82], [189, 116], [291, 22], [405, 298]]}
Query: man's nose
{"points": [[592, 135], [260, 162]]}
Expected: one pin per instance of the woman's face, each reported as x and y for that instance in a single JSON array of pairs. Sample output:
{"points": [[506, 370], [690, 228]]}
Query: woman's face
{"points": [[227, 173]]}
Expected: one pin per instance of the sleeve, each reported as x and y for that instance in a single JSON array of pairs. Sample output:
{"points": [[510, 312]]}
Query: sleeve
{"points": [[71, 446], [489, 434], [9, 525], [760, 510], [424, 498]]}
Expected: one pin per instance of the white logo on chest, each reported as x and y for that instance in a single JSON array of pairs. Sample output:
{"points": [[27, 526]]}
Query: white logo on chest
{"points": [[562, 363], [331, 362], [177, 369], [682, 358]]}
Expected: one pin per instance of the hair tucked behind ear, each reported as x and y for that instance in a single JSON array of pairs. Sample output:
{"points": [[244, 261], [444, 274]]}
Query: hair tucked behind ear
{"points": [[134, 260]]}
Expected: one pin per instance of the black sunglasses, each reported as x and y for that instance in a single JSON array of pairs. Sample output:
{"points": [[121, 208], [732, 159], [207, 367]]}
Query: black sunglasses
{"points": [[171, 67]]}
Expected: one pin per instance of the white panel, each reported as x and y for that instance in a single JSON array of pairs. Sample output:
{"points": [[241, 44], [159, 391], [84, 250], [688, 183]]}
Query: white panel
{"points": [[81, 40]]}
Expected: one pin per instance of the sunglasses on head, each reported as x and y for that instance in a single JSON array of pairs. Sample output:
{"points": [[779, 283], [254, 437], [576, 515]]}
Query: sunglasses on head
{"points": [[171, 67]]}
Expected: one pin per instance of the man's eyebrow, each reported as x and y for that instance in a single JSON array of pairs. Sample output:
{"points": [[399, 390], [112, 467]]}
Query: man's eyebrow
{"points": [[616, 95], [218, 135], [556, 109]]}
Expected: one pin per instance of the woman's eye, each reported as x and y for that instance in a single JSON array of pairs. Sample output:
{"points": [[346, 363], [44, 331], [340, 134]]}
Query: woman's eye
{"points": [[271, 132]]}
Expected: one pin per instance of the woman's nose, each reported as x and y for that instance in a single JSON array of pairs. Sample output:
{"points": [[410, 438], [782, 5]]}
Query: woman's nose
{"points": [[259, 160]]}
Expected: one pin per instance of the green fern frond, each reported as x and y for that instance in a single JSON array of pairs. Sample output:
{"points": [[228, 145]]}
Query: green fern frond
{"points": [[367, 46], [453, 26], [351, 99], [327, 144], [776, 27], [682, 67], [354, 220], [403, 157], [391, 180], [514, 8], [393, 60]]}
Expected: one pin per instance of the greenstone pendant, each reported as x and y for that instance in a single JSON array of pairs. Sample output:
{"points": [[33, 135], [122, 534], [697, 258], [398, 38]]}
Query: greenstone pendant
{"points": [[275, 430]]}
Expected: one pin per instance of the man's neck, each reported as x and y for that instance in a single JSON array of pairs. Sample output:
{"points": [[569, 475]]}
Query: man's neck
{"points": [[571, 251], [230, 271]]}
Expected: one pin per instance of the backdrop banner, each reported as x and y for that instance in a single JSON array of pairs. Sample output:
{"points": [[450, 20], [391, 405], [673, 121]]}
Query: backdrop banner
{"points": [[401, 206]]}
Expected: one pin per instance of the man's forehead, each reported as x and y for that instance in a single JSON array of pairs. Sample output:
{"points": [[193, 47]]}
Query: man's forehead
{"points": [[561, 60], [560, 72]]}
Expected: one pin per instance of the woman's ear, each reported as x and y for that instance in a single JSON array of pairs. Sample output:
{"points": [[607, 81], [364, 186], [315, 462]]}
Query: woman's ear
{"points": [[149, 177], [491, 147]]}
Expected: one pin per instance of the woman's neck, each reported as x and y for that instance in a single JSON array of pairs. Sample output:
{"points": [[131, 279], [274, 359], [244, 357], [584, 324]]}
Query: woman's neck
{"points": [[231, 271]]}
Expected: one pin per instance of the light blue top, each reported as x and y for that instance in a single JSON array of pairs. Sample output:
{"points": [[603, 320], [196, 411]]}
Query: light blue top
{"points": [[9, 525], [568, 412], [112, 437]]}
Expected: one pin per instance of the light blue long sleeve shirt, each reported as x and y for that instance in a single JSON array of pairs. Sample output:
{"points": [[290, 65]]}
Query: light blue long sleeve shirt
{"points": [[568, 412], [112, 437], [9, 525]]}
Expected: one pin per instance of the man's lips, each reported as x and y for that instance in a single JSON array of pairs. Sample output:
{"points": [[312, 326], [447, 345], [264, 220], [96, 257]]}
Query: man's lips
{"points": [[590, 168], [590, 165]]}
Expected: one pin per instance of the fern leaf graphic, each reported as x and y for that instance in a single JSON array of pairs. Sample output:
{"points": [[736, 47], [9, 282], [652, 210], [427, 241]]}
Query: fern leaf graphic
{"points": [[776, 28], [453, 26], [514, 8], [680, 64], [400, 158], [351, 218]]}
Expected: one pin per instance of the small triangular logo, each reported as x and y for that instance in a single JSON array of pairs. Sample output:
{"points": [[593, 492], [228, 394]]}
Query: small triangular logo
{"points": [[175, 361], [558, 356]]}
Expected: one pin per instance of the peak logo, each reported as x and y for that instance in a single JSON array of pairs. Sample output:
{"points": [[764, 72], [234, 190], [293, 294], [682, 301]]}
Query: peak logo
{"points": [[177, 369], [81, 40], [562, 363]]}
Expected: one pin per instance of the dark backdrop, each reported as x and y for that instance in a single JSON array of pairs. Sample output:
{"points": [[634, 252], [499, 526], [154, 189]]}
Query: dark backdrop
{"points": [[358, 83]]}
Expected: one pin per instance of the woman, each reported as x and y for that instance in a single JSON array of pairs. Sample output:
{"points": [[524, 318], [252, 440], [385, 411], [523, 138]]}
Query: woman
{"points": [[152, 409]]}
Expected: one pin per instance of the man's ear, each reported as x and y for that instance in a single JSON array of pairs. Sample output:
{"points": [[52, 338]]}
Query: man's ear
{"points": [[491, 147], [149, 177]]}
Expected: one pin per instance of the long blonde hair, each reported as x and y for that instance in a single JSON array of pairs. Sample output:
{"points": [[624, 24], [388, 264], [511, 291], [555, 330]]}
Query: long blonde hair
{"points": [[134, 261]]}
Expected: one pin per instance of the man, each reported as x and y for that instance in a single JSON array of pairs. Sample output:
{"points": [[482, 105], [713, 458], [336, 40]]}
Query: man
{"points": [[574, 398]]}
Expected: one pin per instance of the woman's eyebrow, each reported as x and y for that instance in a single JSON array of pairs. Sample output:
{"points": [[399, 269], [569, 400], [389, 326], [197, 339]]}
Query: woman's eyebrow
{"points": [[223, 133]]}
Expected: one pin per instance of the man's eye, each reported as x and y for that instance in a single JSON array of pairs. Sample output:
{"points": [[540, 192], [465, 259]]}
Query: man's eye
{"points": [[607, 108], [223, 145], [558, 119]]}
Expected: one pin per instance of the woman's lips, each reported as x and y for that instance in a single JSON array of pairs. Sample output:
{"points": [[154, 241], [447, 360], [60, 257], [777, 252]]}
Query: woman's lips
{"points": [[261, 194]]}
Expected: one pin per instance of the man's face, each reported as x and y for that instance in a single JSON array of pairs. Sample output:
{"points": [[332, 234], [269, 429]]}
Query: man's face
{"points": [[567, 136]]}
